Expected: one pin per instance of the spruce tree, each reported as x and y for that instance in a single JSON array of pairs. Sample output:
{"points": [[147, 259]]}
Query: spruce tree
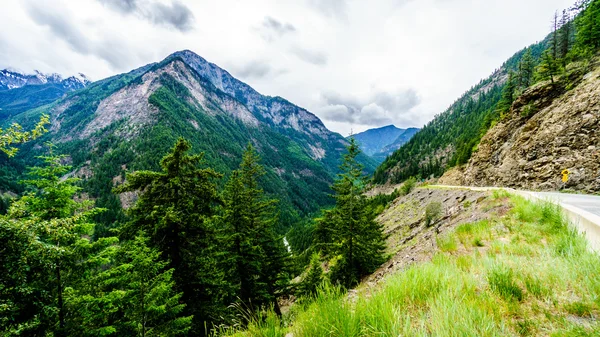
{"points": [[130, 293], [588, 28], [526, 68], [565, 33], [508, 94], [52, 232], [176, 210], [548, 67], [313, 278], [358, 241], [258, 256]]}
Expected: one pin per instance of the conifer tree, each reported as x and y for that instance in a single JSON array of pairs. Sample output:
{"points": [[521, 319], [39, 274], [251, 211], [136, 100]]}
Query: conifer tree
{"points": [[526, 68], [358, 241], [313, 278], [134, 297], [508, 94], [588, 27], [176, 209], [259, 259], [52, 232], [566, 31], [548, 67]]}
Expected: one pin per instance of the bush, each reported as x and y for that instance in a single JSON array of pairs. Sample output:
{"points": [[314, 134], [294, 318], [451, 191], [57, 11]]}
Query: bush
{"points": [[408, 186], [433, 212]]}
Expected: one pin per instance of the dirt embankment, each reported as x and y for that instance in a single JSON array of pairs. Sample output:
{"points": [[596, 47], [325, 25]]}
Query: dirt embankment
{"points": [[411, 240]]}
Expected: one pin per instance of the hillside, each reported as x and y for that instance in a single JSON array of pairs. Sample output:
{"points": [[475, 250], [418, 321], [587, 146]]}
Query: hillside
{"points": [[490, 264], [550, 128], [129, 121]]}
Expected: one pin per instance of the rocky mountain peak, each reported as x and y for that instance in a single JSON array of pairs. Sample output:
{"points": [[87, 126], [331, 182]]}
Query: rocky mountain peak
{"points": [[275, 111]]}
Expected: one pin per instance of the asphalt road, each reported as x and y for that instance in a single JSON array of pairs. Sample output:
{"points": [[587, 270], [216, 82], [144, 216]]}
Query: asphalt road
{"points": [[589, 203]]}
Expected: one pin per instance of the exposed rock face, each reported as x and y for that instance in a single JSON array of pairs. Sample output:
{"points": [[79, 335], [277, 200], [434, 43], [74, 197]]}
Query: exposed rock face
{"points": [[273, 110], [549, 129]]}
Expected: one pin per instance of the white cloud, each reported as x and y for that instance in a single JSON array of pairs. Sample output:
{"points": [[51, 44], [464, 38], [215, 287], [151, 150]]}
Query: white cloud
{"points": [[394, 60]]}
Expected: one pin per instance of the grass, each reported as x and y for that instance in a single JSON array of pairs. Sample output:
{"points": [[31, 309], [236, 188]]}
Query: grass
{"points": [[526, 273]]}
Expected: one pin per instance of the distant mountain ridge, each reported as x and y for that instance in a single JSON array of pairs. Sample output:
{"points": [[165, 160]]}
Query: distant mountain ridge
{"points": [[13, 79], [381, 142], [20, 92]]}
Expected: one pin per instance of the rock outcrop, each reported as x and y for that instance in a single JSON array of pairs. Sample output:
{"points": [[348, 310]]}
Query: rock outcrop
{"points": [[552, 127]]}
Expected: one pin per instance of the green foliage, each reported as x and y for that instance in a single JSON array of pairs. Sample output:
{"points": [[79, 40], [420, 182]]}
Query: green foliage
{"points": [[15, 135], [259, 259], [313, 278], [588, 28], [133, 297], [176, 211], [433, 211], [349, 231], [508, 94], [408, 186], [45, 236]]}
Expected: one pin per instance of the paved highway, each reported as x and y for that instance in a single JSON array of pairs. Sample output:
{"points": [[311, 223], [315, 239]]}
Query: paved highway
{"points": [[589, 203]]}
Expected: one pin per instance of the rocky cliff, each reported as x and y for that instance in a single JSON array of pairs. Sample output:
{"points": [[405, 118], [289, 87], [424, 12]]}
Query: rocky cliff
{"points": [[551, 128]]}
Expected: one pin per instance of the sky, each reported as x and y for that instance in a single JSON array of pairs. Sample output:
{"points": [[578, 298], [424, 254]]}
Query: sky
{"points": [[356, 64]]}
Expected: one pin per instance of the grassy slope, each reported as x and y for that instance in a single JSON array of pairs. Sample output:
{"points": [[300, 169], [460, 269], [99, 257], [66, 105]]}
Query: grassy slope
{"points": [[525, 273]]}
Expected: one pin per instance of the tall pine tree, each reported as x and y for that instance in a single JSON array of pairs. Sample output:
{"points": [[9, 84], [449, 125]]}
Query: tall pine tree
{"points": [[259, 258], [357, 240], [176, 210], [129, 292]]}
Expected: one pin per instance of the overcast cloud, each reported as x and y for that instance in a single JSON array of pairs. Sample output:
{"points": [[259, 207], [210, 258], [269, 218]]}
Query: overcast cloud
{"points": [[356, 64]]}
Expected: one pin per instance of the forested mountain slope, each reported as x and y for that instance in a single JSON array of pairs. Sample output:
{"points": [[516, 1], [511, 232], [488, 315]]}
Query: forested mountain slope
{"points": [[402, 139], [450, 137], [128, 122], [372, 141]]}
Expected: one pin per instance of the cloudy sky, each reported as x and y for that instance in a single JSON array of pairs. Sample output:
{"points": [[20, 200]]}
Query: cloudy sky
{"points": [[356, 64]]}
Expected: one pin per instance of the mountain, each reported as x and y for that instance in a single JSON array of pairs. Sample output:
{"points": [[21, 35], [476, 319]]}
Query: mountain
{"points": [[550, 128], [402, 139], [373, 141], [129, 121], [380, 142], [21, 92]]}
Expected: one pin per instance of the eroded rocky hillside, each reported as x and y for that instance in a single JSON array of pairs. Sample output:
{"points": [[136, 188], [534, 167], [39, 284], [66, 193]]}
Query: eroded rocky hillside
{"points": [[552, 127]]}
